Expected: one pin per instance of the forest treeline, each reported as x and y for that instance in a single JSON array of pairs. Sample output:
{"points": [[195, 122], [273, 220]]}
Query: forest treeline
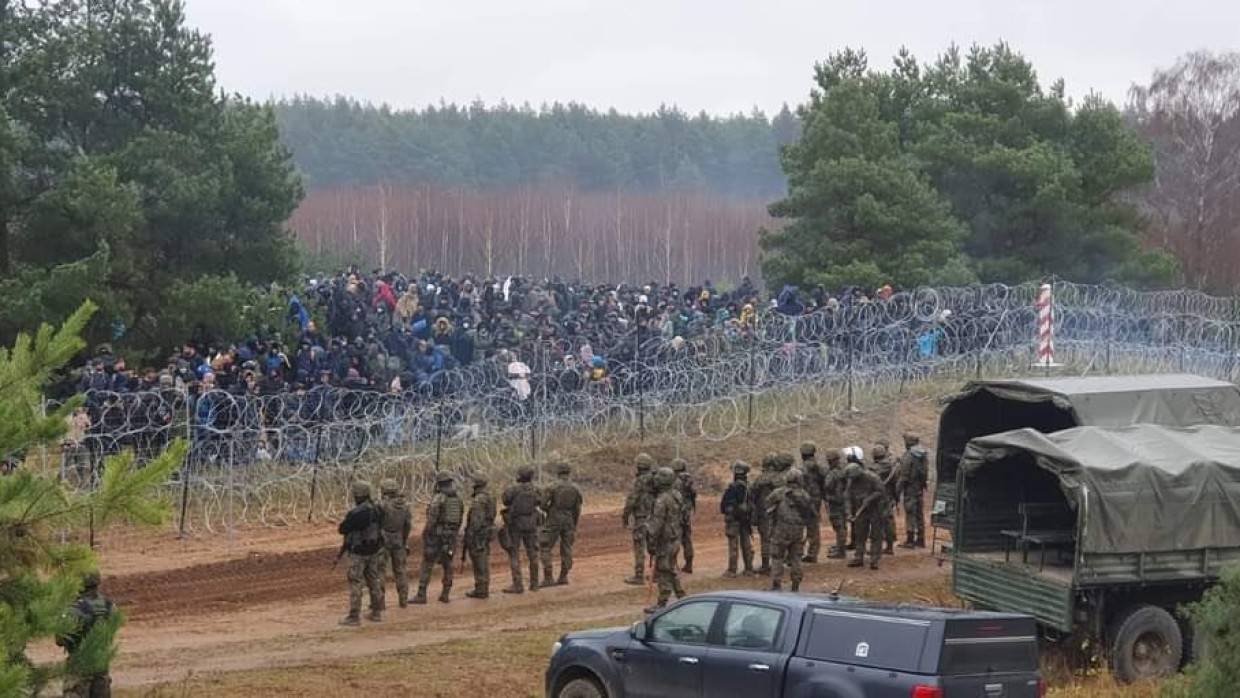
{"points": [[342, 142]]}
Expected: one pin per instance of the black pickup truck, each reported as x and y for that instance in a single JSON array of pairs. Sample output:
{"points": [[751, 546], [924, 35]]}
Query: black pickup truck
{"points": [[746, 644]]}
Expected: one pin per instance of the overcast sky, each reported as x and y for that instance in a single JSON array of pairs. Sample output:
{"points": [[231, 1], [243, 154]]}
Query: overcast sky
{"points": [[718, 55]]}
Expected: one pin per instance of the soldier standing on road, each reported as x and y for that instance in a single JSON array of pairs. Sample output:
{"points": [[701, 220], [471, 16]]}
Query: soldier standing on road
{"points": [[867, 497], [443, 522], [813, 479], [363, 540], [761, 489], [788, 508], [562, 505], [521, 521], [89, 608], [479, 526], [911, 481], [664, 537], [397, 525], [737, 514], [833, 486], [885, 468], [688, 495], [637, 508]]}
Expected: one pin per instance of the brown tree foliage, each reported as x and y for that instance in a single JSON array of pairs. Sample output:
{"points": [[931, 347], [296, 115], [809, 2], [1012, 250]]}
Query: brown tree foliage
{"points": [[537, 231], [1191, 114]]}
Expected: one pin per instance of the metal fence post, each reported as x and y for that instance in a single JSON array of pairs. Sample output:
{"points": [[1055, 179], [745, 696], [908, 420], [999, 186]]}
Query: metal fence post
{"points": [[753, 342], [641, 388]]}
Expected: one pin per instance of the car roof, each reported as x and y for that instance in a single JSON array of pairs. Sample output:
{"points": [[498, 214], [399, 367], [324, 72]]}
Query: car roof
{"points": [[802, 601]]}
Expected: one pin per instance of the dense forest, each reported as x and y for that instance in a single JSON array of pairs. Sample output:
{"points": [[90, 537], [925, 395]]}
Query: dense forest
{"points": [[342, 143]]}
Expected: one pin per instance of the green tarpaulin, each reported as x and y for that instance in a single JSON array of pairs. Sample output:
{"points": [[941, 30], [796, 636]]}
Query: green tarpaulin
{"points": [[1139, 488]]}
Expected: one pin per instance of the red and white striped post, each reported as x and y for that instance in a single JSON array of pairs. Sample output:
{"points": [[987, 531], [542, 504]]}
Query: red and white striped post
{"points": [[1046, 327]]}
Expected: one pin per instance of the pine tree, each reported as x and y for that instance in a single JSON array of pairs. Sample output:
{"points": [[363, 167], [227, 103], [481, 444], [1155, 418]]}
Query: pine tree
{"points": [[39, 575]]}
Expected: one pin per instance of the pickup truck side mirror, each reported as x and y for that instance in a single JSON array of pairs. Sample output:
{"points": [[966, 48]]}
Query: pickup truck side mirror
{"points": [[638, 631]]}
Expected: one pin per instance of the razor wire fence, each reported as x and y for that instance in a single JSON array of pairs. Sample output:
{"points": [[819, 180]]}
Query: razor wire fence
{"points": [[278, 459]]}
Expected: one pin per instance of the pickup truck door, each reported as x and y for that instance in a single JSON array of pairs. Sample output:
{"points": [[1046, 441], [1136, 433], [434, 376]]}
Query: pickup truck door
{"points": [[668, 663], [748, 662]]}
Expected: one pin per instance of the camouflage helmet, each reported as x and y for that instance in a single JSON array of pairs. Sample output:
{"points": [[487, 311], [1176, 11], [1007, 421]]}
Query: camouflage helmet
{"points": [[679, 465], [525, 473], [563, 468], [793, 477], [784, 461], [911, 439], [879, 451], [90, 580], [768, 461], [853, 470], [808, 448], [644, 462], [740, 467], [664, 478], [389, 486], [833, 456], [443, 477], [479, 478], [882, 441], [360, 489]]}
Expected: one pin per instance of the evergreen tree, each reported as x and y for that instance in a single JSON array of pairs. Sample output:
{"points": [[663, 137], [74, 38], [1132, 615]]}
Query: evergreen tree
{"points": [[40, 575]]}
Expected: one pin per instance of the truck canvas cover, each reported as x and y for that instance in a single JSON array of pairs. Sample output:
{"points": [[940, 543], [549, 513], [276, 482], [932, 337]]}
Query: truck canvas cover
{"points": [[1144, 488]]}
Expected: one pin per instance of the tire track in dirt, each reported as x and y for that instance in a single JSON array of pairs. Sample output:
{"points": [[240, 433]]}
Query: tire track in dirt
{"points": [[264, 578]]}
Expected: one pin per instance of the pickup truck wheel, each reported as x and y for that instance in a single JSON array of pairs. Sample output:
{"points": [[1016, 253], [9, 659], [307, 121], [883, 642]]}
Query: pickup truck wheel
{"points": [[581, 688], [1145, 643]]}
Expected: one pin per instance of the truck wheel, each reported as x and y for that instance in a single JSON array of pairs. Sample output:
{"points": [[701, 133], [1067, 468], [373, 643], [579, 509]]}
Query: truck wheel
{"points": [[581, 688], [1145, 643]]}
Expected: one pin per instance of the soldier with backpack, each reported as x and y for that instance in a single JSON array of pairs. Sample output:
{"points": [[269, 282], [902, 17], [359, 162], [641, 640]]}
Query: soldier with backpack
{"points": [[443, 522], [736, 509], [789, 510], [688, 496], [562, 507], [521, 522], [363, 542], [397, 525], [89, 608]]}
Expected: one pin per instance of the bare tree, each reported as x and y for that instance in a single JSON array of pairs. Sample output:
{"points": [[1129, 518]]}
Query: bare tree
{"points": [[1191, 114]]}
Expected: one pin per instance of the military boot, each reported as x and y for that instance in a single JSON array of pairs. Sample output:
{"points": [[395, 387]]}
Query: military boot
{"points": [[920, 542], [445, 595], [855, 562], [420, 598], [351, 621], [836, 554], [636, 580], [874, 565], [375, 616], [810, 559], [688, 568], [729, 574], [516, 588], [796, 585], [766, 565], [477, 594], [563, 580], [658, 606], [403, 600], [890, 549], [777, 585]]}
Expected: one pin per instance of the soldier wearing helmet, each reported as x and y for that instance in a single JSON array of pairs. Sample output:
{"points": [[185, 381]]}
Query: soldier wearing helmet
{"points": [[884, 466], [663, 538], [637, 508], [90, 607], [737, 516], [867, 500], [767, 481], [814, 481], [520, 516], [444, 515], [788, 508], [688, 494], [363, 540], [911, 481], [479, 527], [833, 487], [561, 503], [397, 525]]}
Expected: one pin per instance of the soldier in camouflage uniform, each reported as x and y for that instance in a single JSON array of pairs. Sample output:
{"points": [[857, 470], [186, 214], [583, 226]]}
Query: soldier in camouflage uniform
{"points": [[885, 468], [688, 494], [833, 486], [788, 508], [911, 481], [663, 537], [758, 492], [479, 527], [561, 502], [867, 500], [397, 525], [637, 508], [521, 522], [443, 523], [813, 479], [363, 540], [737, 515], [89, 608]]}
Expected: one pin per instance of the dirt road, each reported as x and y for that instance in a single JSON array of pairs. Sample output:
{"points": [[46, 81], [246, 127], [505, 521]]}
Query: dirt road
{"points": [[280, 609]]}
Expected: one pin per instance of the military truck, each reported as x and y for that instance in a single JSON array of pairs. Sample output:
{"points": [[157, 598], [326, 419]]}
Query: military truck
{"points": [[1100, 532], [1051, 404]]}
